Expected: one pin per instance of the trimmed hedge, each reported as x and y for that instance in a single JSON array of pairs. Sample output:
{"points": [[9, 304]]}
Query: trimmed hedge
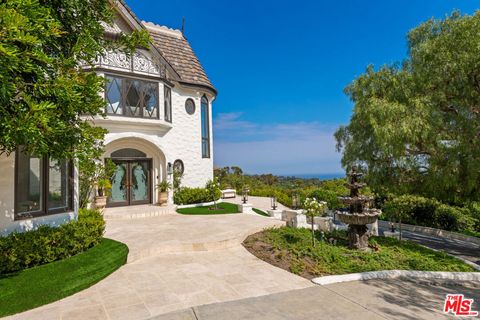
{"points": [[194, 195], [46, 244], [426, 212]]}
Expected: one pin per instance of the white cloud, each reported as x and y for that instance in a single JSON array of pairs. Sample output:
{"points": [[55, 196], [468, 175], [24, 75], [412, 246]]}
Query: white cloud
{"points": [[282, 148]]}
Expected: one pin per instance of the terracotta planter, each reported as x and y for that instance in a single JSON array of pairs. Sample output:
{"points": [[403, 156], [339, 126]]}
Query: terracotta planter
{"points": [[100, 202], [162, 198]]}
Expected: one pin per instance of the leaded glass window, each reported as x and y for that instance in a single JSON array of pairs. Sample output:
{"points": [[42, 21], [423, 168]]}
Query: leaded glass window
{"points": [[131, 97]]}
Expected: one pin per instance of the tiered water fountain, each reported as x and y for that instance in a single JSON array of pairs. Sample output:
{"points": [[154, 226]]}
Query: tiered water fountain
{"points": [[359, 214]]}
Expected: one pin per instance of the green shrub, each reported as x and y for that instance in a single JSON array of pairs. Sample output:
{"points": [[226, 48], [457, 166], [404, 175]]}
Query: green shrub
{"points": [[282, 197], [46, 244], [453, 218], [426, 212], [327, 195], [474, 209], [194, 195]]}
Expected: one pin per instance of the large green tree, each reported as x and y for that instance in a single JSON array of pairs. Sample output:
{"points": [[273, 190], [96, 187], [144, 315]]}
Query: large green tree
{"points": [[416, 126], [44, 90]]}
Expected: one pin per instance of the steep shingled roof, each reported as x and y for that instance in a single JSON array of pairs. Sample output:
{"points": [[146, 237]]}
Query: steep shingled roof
{"points": [[178, 52]]}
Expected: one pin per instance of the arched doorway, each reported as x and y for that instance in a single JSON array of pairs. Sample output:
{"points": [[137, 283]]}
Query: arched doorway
{"points": [[140, 165], [132, 178]]}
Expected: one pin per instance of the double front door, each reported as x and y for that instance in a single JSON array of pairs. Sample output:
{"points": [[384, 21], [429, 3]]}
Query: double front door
{"points": [[131, 182]]}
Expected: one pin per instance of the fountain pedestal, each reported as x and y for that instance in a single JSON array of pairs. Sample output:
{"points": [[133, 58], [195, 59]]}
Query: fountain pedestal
{"points": [[359, 213]]}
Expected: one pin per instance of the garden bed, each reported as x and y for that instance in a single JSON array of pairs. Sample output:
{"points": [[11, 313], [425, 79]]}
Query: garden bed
{"points": [[223, 208], [291, 249], [50, 282]]}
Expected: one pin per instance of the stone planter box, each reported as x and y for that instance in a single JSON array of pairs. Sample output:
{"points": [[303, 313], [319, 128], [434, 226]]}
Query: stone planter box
{"points": [[324, 224], [246, 208], [295, 218], [277, 214]]}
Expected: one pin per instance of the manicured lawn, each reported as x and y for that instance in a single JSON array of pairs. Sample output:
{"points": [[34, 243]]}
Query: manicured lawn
{"points": [[291, 249], [260, 212], [223, 208], [37, 286]]}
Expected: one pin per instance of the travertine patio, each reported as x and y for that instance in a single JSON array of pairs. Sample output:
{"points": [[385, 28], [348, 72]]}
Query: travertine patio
{"points": [[178, 262]]}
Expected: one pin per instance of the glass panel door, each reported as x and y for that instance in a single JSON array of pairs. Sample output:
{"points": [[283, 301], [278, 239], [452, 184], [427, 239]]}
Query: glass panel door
{"points": [[131, 183], [120, 183], [140, 181]]}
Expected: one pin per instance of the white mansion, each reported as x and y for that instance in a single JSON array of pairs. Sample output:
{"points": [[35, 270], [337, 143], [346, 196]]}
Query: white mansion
{"points": [[158, 117]]}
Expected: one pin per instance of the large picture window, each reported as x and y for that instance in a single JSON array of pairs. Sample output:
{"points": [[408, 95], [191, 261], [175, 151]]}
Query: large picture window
{"points": [[168, 103], [43, 186], [131, 97], [205, 128]]}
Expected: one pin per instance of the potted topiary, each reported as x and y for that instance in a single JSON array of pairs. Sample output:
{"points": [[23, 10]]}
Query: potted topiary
{"points": [[163, 188], [103, 190]]}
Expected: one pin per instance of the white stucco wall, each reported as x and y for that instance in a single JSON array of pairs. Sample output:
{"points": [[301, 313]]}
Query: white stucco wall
{"points": [[7, 205], [166, 142]]}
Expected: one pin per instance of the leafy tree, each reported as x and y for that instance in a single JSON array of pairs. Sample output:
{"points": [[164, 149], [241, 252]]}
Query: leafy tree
{"points": [[44, 90], [213, 187], [313, 208], [416, 126]]}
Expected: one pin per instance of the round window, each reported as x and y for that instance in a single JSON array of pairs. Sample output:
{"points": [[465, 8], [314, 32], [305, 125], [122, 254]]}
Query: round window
{"points": [[190, 106], [178, 166]]}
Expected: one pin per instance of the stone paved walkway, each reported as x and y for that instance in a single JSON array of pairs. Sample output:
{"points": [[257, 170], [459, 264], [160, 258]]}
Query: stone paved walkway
{"points": [[368, 300], [161, 281]]}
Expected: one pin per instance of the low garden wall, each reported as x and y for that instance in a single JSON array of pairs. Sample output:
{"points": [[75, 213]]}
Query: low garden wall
{"points": [[433, 232]]}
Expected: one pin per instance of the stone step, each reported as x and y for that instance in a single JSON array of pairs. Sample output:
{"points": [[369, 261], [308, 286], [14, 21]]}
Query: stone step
{"points": [[137, 212]]}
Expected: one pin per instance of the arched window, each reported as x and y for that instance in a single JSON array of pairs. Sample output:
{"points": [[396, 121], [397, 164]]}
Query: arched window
{"points": [[205, 128], [128, 153]]}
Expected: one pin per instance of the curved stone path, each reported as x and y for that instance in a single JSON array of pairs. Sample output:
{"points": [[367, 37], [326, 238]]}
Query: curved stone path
{"points": [[179, 261]]}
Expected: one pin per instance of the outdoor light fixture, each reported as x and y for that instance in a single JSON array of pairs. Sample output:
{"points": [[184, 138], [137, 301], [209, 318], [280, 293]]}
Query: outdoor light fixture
{"points": [[169, 168], [245, 195], [274, 203], [295, 201]]}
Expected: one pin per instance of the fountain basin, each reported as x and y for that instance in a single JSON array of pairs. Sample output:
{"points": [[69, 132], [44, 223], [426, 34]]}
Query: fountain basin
{"points": [[355, 200], [367, 217]]}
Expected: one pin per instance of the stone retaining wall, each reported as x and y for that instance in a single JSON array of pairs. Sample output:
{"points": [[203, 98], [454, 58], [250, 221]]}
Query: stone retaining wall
{"points": [[434, 232]]}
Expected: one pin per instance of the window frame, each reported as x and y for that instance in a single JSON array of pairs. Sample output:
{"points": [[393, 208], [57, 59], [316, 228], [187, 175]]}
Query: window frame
{"points": [[44, 210], [124, 94], [165, 89], [205, 103]]}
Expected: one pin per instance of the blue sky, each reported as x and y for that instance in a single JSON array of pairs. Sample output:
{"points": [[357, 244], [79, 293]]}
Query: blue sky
{"points": [[280, 68]]}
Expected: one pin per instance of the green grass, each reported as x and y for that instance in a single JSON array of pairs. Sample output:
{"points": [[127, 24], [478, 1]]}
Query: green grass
{"points": [[291, 249], [37, 286], [472, 233], [260, 212], [224, 208]]}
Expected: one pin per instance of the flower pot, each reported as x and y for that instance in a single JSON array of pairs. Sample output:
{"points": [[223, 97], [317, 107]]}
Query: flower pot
{"points": [[100, 202], [162, 198]]}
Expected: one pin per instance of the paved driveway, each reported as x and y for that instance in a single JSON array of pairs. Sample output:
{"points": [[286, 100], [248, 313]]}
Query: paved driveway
{"points": [[367, 300]]}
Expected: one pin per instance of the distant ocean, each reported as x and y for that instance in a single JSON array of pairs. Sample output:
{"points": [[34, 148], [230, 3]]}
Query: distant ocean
{"points": [[321, 176]]}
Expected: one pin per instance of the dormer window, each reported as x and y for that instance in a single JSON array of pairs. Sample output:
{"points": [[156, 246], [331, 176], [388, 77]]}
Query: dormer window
{"points": [[131, 97]]}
